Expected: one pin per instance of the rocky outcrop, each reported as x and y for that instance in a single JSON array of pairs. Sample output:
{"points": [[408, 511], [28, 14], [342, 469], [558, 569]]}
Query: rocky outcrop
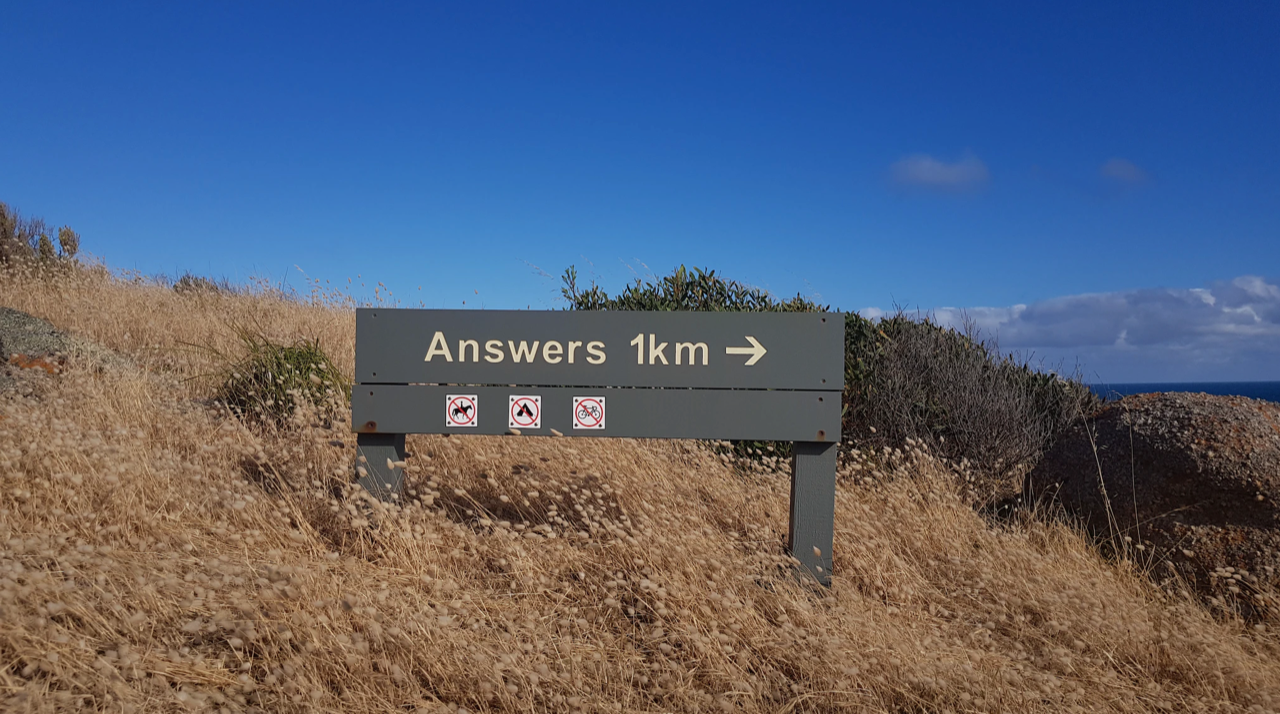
{"points": [[1191, 480], [28, 342], [25, 341], [23, 334]]}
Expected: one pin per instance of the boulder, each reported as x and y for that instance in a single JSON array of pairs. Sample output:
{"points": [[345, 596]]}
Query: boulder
{"points": [[1193, 479], [21, 333], [28, 342]]}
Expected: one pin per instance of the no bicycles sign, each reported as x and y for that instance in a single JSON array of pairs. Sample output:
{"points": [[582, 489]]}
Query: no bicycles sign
{"points": [[669, 375], [588, 412]]}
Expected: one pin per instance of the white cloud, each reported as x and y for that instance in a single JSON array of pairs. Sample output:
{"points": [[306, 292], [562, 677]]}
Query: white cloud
{"points": [[1123, 170], [924, 171], [1228, 331]]}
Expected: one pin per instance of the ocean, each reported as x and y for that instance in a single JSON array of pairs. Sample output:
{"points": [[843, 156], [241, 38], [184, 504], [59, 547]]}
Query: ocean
{"points": [[1257, 390]]}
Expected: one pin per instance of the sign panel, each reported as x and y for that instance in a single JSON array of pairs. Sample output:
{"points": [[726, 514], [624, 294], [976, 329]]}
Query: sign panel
{"points": [[775, 415], [710, 350]]}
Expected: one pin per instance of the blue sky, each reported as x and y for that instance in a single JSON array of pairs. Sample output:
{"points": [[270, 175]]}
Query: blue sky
{"points": [[1113, 168]]}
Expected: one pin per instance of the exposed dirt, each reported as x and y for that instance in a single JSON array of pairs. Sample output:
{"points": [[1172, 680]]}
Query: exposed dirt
{"points": [[1192, 480]]}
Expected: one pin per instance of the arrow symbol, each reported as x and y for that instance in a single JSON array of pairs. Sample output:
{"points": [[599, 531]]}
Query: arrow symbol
{"points": [[756, 350]]}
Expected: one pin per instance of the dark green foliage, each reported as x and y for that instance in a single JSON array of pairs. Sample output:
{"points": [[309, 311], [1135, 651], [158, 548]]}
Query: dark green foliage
{"points": [[912, 378], [904, 378], [29, 240], [682, 290], [272, 380], [698, 290]]}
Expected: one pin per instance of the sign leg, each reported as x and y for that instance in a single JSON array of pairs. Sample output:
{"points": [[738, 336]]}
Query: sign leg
{"points": [[813, 507], [380, 480]]}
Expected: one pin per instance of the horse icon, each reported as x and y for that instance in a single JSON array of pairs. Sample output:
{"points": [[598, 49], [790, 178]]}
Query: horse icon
{"points": [[462, 409]]}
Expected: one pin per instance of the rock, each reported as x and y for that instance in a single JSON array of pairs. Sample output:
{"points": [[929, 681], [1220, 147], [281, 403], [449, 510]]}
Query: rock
{"points": [[21, 333], [28, 342], [23, 336], [1193, 478]]}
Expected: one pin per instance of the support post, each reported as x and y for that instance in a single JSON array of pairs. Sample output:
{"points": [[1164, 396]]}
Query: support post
{"points": [[380, 480], [813, 506]]}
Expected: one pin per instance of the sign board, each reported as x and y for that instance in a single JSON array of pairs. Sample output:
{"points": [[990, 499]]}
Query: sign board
{"points": [[698, 350], [674, 375]]}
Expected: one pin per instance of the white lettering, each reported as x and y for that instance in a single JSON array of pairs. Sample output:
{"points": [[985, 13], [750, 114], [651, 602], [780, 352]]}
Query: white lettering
{"points": [[494, 350], [475, 350], [692, 349], [656, 351], [438, 348], [573, 346], [551, 352], [595, 352], [523, 351], [639, 343]]}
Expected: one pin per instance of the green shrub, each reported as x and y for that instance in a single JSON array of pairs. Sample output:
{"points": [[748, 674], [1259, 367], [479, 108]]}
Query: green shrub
{"points": [[68, 242], [29, 240], [682, 290], [905, 378], [191, 284], [273, 380], [698, 290], [910, 378]]}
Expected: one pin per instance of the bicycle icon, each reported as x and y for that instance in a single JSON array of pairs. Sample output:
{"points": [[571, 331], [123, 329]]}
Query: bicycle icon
{"points": [[588, 412]]}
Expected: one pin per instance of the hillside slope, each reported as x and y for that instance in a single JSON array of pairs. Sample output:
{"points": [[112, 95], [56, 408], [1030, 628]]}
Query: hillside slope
{"points": [[156, 555]]}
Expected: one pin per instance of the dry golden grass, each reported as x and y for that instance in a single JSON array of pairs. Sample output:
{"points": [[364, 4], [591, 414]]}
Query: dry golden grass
{"points": [[156, 555]]}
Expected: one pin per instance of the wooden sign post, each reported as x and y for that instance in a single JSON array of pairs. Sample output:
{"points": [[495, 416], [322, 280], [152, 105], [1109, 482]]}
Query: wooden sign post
{"points": [[666, 375]]}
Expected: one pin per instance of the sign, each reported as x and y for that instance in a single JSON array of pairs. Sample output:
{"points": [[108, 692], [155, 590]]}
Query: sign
{"points": [[671, 375], [461, 410], [588, 413], [700, 350], [525, 412]]}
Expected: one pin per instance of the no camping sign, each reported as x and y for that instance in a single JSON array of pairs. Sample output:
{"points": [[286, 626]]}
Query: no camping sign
{"points": [[525, 412]]}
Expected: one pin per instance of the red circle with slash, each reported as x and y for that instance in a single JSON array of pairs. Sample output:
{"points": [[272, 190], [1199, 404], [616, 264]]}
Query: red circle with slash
{"points": [[454, 411], [527, 416]]}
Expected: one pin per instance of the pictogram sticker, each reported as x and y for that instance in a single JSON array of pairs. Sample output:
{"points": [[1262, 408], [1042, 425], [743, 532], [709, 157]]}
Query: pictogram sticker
{"points": [[525, 412], [588, 412], [461, 410]]}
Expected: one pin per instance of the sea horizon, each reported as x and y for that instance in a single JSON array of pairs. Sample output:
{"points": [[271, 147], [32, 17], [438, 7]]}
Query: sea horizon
{"points": [[1269, 391]]}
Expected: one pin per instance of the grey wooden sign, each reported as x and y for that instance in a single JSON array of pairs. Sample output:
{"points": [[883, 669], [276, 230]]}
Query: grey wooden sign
{"points": [[707, 350], [681, 375]]}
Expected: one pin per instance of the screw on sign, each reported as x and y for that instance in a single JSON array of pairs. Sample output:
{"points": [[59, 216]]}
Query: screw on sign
{"points": [[461, 410], [588, 412], [526, 412]]}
